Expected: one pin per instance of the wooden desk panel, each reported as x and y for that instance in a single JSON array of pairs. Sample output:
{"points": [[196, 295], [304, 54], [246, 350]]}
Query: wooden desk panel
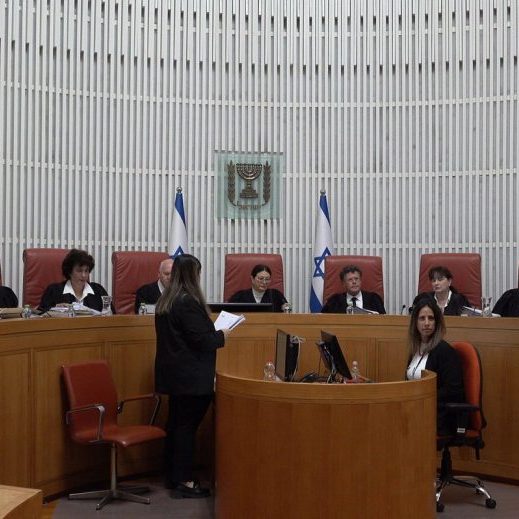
{"points": [[36, 451], [345, 450]]}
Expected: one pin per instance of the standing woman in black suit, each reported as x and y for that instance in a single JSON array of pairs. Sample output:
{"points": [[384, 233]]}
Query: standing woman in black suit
{"points": [[185, 365]]}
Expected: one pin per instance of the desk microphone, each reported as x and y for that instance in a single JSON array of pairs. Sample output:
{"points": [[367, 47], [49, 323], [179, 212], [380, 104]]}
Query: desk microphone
{"points": [[402, 312]]}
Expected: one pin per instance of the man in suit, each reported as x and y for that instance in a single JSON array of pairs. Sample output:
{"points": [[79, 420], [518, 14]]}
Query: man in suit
{"points": [[149, 294], [351, 277]]}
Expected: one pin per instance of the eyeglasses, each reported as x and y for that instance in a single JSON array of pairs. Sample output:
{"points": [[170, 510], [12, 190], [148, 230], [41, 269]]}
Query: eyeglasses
{"points": [[263, 280]]}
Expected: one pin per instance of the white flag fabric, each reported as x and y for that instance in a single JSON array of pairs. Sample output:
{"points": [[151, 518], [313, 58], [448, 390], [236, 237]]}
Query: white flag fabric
{"points": [[177, 243], [323, 246]]}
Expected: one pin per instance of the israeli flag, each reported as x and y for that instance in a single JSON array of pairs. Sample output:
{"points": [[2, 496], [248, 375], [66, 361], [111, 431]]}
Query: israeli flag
{"points": [[323, 246], [177, 243]]}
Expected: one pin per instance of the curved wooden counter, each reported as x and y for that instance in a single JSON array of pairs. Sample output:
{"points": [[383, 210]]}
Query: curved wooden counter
{"points": [[342, 450], [35, 450]]}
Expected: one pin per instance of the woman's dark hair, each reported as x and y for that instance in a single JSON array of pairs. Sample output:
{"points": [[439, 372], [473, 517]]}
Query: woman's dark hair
{"points": [[415, 339], [185, 279], [349, 269], [439, 273], [76, 258], [260, 268]]}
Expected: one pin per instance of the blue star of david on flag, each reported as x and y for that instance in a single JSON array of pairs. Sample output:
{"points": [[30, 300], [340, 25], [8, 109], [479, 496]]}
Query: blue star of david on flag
{"points": [[323, 246], [318, 261]]}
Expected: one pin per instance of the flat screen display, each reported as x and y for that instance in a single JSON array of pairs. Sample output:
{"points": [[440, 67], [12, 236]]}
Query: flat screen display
{"points": [[240, 307], [287, 356], [332, 356]]}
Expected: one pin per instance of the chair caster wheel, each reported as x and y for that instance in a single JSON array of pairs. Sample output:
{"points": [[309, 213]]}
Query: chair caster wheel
{"points": [[490, 503], [440, 507]]}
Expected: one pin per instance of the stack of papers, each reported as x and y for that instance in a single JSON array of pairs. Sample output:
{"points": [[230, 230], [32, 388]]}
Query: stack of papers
{"points": [[79, 309], [472, 312], [10, 313], [226, 320], [358, 310]]}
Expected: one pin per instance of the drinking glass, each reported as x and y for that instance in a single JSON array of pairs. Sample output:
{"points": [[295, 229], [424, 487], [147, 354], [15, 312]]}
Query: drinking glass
{"points": [[107, 301], [486, 310]]}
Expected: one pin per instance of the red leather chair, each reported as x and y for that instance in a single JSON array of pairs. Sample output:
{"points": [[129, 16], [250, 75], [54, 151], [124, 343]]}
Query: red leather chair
{"points": [[239, 266], [465, 269], [92, 420], [469, 432], [131, 270], [372, 276], [41, 267]]}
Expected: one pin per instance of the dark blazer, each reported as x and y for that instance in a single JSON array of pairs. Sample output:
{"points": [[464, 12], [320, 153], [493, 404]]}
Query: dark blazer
{"points": [[271, 295], [508, 304], [54, 295], [148, 294], [455, 305], [8, 298], [336, 304], [185, 360], [445, 362]]}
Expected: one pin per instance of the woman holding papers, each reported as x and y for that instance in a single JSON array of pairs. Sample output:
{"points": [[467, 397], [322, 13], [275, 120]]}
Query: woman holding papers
{"points": [[260, 292], [447, 298], [428, 350], [77, 288], [185, 365]]}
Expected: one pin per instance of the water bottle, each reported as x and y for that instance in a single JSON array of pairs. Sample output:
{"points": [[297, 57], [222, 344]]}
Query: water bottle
{"points": [[355, 373], [142, 309], [26, 312], [269, 371], [287, 308], [349, 308], [71, 312]]}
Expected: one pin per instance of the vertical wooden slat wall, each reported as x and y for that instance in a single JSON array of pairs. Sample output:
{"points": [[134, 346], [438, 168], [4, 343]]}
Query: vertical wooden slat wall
{"points": [[405, 112]]}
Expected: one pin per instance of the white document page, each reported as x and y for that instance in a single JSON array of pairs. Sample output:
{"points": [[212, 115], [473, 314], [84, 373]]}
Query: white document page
{"points": [[227, 320]]}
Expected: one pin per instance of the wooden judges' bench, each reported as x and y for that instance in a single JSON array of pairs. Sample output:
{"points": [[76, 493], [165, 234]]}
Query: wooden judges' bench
{"points": [[34, 446]]}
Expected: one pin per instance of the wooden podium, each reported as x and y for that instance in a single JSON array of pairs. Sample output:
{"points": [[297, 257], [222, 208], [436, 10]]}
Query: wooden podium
{"points": [[290, 450]]}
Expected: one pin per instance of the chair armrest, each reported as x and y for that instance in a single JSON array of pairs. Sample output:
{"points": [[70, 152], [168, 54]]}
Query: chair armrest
{"points": [[149, 396], [461, 407], [462, 412], [99, 407]]}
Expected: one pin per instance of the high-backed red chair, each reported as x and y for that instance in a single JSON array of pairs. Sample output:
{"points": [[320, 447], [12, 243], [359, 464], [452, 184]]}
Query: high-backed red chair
{"points": [[41, 267], [239, 266], [131, 270], [372, 276], [471, 423], [92, 420], [465, 269]]}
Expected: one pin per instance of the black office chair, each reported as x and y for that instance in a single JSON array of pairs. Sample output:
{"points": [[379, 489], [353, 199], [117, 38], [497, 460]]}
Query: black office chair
{"points": [[470, 421]]}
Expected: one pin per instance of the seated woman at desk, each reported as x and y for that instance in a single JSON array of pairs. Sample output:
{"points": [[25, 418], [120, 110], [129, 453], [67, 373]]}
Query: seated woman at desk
{"points": [[260, 292], [428, 350], [508, 304], [8, 298], [447, 298], [77, 288]]}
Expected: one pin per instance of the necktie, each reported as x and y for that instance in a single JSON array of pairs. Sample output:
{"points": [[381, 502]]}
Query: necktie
{"points": [[354, 302]]}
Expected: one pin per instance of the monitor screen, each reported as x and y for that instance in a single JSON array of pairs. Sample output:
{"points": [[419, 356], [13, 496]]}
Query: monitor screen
{"points": [[332, 355], [240, 307], [287, 356]]}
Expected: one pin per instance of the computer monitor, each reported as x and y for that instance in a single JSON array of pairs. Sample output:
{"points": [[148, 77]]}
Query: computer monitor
{"points": [[332, 355], [240, 307], [287, 356]]}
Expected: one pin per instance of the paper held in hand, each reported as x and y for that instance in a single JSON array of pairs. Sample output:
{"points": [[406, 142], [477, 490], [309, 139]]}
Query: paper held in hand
{"points": [[228, 320]]}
